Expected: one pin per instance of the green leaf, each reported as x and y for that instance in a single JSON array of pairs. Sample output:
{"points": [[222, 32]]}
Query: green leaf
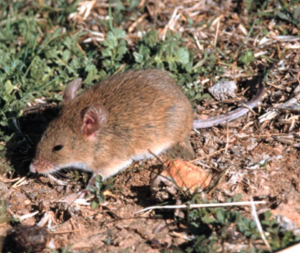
{"points": [[51, 53], [287, 17], [92, 73], [66, 56], [106, 63], [160, 65], [220, 215], [98, 182], [247, 57], [182, 55], [138, 57], [76, 63], [189, 67], [8, 87], [119, 33], [107, 52], [133, 4], [172, 66], [151, 38], [94, 205], [120, 52], [111, 41], [208, 220]]}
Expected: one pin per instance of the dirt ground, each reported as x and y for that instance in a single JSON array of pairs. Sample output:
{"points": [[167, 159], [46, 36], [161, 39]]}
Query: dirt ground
{"points": [[259, 151]]}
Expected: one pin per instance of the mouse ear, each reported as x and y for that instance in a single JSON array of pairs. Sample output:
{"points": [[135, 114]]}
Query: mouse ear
{"points": [[93, 117], [71, 89]]}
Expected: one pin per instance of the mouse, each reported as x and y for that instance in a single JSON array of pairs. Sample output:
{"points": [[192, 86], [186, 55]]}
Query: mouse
{"points": [[126, 117]]}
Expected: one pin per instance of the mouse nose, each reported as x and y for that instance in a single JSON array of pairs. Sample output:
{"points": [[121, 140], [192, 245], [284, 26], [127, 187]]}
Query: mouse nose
{"points": [[32, 167]]}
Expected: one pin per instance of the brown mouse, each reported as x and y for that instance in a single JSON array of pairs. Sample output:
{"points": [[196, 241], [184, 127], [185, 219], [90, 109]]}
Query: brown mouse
{"points": [[119, 120]]}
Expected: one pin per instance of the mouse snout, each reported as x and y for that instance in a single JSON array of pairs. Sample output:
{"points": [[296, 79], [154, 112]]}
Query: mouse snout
{"points": [[33, 166], [41, 166]]}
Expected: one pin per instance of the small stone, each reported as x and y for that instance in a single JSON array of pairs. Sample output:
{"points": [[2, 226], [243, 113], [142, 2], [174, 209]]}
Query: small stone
{"points": [[223, 90]]}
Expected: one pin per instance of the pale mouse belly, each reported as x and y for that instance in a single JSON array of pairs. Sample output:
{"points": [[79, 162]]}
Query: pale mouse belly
{"points": [[118, 165]]}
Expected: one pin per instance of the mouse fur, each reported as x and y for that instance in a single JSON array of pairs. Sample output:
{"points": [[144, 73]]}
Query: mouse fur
{"points": [[115, 122]]}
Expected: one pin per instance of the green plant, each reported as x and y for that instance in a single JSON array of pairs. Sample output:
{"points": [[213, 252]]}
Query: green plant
{"points": [[278, 238], [247, 57], [32, 69], [97, 191], [172, 55], [286, 11], [213, 226], [114, 49], [123, 10]]}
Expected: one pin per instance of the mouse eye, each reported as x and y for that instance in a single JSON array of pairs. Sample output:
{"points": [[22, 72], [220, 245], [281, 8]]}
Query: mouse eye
{"points": [[57, 148]]}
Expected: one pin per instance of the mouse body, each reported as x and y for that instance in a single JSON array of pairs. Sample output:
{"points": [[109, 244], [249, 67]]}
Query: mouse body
{"points": [[115, 122], [126, 117]]}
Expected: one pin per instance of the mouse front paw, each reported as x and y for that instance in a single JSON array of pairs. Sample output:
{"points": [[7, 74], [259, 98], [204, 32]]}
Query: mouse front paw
{"points": [[78, 198], [83, 193]]}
